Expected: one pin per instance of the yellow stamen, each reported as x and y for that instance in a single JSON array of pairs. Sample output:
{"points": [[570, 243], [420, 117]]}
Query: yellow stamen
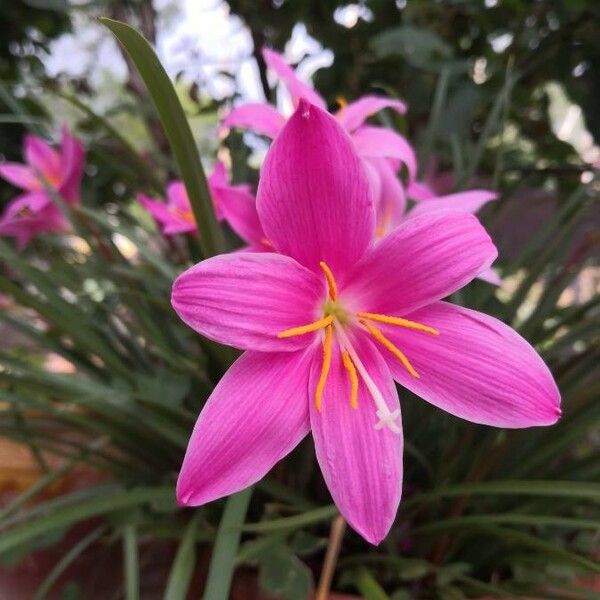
{"points": [[324, 322], [376, 333], [341, 102], [185, 214], [353, 379], [398, 321], [330, 280], [325, 367]]}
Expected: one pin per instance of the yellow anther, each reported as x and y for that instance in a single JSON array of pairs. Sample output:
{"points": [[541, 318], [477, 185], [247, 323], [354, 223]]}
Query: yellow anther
{"points": [[330, 280], [398, 321], [353, 379], [341, 102], [376, 333], [316, 325], [325, 367]]}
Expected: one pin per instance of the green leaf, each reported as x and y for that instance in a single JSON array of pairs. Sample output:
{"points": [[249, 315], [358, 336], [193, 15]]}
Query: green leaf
{"points": [[284, 576], [131, 559], [368, 586], [222, 564], [177, 129], [184, 563], [324, 513]]}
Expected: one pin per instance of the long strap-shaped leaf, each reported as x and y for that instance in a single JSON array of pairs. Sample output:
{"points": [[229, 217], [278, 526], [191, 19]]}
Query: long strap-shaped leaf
{"points": [[177, 129]]}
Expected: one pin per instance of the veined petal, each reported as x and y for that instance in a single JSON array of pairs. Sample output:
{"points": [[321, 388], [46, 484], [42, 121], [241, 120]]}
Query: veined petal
{"points": [[72, 161], [264, 119], [256, 415], [362, 466], [424, 259], [42, 158], [469, 201], [238, 207], [314, 199], [392, 200], [378, 141], [354, 114], [21, 176], [477, 368], [245, 300], [297, 88]]}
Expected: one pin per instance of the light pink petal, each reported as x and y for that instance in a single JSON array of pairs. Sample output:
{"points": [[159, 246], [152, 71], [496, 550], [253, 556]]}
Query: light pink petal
{"points": [[362, 466], [314, 199], [170, 223], [491, 276], [238, 208], [42, 158], [391, 202], [29, 204], [218, 177], [21, 176], [356, 113], [477, 368], [469, 201], [72, 161], [261, 118], [256, 415], [381, 142], [177, 196], [245, 300], [419, 190], [424, 259], [297, 88]]}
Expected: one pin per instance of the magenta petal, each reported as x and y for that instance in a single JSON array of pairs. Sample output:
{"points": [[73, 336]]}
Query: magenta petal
{"points": [[21, 176], [314, 199], [362, 466], [424, 259], [238, 208], [261, 118], [381, 142], [477, 368], [469, 201], [391, 201], [419, 190], [490, 276], [356, 113], [72, 159], [297, 88], [256, 415], [245, 300], [42, 158]]}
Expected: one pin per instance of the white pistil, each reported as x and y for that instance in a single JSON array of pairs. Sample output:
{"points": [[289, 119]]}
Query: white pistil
{"points": [[387, 418]]}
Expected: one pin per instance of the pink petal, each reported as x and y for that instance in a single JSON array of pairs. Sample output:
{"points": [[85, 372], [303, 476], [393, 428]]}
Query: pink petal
{"points": [[256, 415], [72, 161], [356, 113], [238, 208], [391, 202], [424, 259], [419, 190], [491, 276], [245, 300], [477, 368], [362, 466], [20, 176], [168, 220], [218, 177], [42, 158], [314, 200], [32, 203], [261, 118], [297, 88], [469, 201], [381, 142], [177, 196]]}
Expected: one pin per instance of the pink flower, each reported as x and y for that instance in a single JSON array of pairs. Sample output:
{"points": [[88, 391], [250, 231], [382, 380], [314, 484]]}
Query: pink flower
{"points": [[35, 211], [371, 141], [233, 203], [330, 320]]}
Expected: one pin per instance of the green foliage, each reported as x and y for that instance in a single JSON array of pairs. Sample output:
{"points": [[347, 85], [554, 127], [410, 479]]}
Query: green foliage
{"points": [[485, 512]]}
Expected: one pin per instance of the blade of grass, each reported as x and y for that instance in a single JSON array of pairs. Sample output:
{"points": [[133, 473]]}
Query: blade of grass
{"points": [[177, 129], [222, 564], [131, 560]]}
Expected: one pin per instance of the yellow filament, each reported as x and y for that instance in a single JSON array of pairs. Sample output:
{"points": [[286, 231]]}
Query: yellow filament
{"points": [[325, 367], [398, 321], [324, 322], [353, 379], [330, 280], [376, 333]]}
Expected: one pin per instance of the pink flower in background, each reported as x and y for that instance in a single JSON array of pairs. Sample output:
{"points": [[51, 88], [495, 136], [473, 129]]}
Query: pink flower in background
{"points": [[34, 212], [232, 203], [330, 320]]}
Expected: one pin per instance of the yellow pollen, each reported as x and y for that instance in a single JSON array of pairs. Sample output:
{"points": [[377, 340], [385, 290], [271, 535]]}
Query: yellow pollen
{"points": [[314, 326], [353, 379], [330, 280], [376, 333], [398, 321], [325, 368]]}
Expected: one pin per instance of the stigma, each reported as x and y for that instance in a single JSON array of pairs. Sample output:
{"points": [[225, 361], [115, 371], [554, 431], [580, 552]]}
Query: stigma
{"points": [[332, 329]]}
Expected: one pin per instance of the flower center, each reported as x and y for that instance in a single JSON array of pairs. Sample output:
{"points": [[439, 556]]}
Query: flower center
{"points": [[337, 319], [185, 214]]}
